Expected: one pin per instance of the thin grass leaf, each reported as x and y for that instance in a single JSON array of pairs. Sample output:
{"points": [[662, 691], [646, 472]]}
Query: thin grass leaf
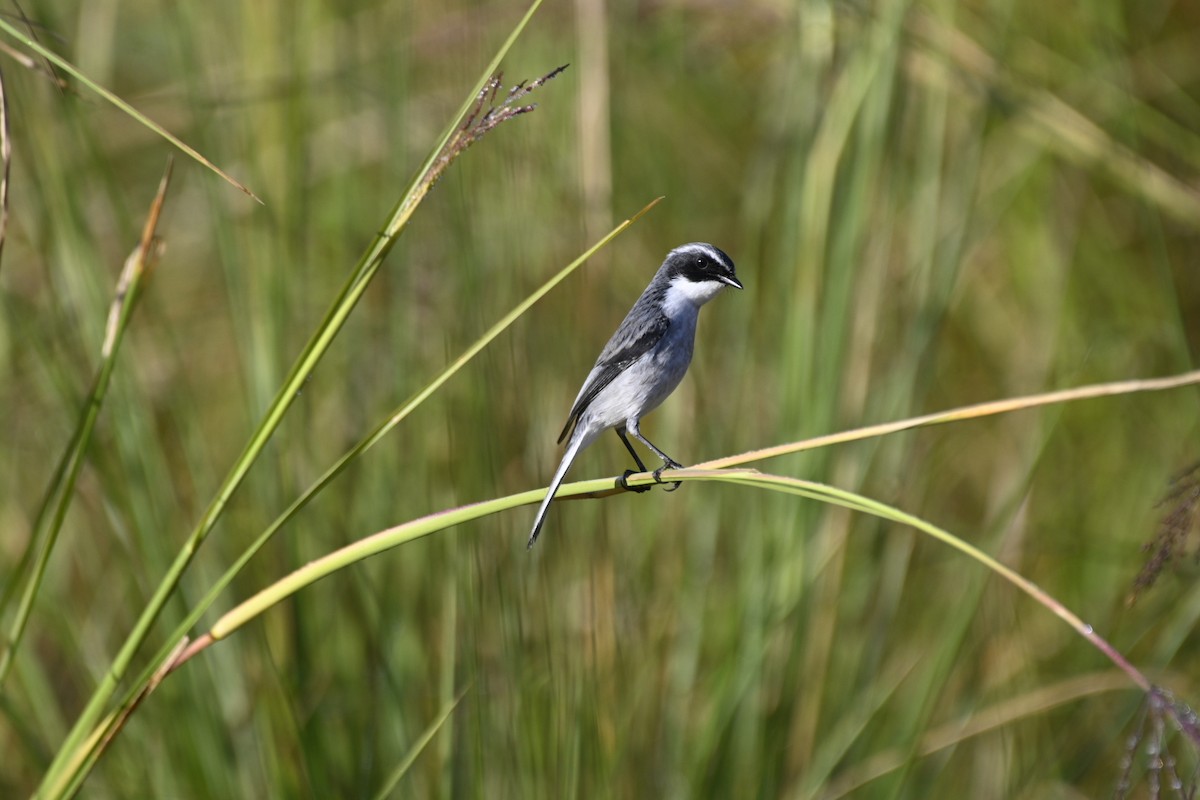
{"points": [[5, 169], [418, 747], [46, 66], [70, 69], [61, 491]]}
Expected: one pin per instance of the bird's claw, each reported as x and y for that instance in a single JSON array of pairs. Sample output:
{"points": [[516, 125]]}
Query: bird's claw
{"points": [[668, 465], [623, 482]]}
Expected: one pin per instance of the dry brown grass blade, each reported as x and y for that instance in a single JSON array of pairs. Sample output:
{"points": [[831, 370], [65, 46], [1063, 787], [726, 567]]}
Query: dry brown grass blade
{"points": [[140, 262]]}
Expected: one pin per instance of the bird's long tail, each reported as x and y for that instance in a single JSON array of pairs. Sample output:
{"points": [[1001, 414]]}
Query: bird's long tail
{"points": [[573, 447]]}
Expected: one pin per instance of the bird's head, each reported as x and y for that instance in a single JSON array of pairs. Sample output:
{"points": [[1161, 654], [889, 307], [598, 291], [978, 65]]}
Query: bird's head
{"points": [[699, 272]]}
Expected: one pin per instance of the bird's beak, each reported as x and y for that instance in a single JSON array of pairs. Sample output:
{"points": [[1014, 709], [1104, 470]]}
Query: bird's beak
{"points": [[731, 281]]}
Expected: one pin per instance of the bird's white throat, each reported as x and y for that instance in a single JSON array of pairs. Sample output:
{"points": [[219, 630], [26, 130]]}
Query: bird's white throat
{"points": [[683, 294]]}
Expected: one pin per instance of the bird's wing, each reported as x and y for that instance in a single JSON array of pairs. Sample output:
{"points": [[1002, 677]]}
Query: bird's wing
{"points": [[626, 347]]}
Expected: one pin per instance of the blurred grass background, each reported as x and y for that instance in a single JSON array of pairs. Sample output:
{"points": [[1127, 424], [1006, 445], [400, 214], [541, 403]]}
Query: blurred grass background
{"points": [[930, 204]]}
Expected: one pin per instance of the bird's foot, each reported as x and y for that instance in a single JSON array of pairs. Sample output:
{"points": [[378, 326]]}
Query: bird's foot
{"points": [[668, 464], [623, 482]]}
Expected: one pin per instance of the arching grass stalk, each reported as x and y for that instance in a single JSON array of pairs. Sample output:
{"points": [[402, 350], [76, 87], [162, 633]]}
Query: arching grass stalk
{"points": [[393, 537], [387, 539], [68, 767], [402, 534]]}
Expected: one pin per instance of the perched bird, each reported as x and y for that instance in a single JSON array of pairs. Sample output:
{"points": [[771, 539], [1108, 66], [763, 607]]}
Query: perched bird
{"points": [[644, 360]]}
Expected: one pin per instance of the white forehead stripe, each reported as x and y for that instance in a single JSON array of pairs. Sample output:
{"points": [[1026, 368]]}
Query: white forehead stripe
{"points": [[701, 248]]}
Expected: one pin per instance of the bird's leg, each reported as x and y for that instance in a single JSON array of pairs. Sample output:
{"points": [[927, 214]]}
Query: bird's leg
{"points": [[668, 462], [632, 452], [623, 480]]}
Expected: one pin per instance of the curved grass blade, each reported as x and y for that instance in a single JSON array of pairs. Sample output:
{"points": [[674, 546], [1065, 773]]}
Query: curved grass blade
{"points": [[415, 529]]}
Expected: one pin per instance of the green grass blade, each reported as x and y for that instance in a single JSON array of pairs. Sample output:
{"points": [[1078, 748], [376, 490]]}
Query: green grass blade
{"points": [[56, 781]]}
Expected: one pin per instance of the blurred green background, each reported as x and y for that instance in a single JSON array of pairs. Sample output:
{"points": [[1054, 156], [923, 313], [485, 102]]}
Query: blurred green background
{"points": [[930, 204]]}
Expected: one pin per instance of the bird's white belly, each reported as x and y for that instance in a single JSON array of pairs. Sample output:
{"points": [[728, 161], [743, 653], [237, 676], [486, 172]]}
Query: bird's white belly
{"points": [[645, 384]]}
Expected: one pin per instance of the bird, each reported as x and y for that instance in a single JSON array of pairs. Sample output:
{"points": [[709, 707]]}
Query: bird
{"points": [[643, 362]]}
